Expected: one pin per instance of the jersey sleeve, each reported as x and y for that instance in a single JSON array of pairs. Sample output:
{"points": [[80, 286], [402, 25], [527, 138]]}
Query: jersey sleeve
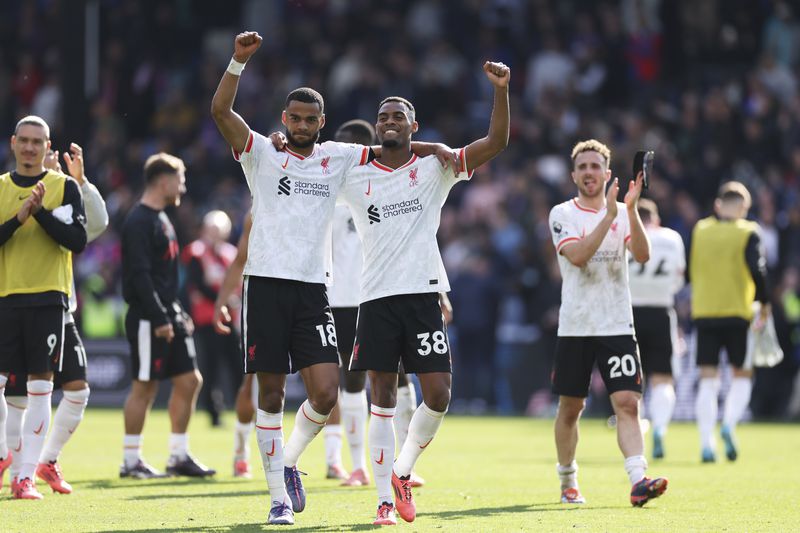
{"points": [[253, 154], [355, 155], [96, 213], [562, 229], [680, 261]]}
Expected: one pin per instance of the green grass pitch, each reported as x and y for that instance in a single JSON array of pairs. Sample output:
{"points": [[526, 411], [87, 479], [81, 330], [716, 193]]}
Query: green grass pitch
{"points": [[483, 474]]}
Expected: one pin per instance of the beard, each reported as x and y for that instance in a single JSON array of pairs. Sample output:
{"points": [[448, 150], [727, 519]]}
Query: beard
{"points": [[390, 143], [302, 144]]}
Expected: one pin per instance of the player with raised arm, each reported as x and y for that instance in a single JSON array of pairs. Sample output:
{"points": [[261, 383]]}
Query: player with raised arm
{"points": [[70, 375], [396, 204], [287, 325], [42, 222], [653, 288], [593, 234]]}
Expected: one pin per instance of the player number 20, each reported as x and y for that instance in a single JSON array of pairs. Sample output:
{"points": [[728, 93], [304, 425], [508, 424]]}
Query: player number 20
{"points": [[439, 343], [330, 338], [622, 365]]}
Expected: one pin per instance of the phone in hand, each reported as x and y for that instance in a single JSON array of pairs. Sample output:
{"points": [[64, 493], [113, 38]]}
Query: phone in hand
{"points": [[643, 162]]}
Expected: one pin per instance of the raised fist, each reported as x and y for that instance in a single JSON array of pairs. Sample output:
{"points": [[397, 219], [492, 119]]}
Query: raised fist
{"points": [[498, 73], [246, 45]]}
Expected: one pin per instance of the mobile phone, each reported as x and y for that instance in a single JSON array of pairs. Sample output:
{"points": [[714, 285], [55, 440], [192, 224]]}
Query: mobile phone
{"points": [[643, 162]]}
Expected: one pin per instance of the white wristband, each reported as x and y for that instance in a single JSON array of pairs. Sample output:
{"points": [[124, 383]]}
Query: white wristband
{"points": [[236, 68]]}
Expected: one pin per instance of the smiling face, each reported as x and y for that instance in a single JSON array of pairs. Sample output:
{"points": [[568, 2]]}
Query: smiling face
{"points": [[30, 145], [303, 120], [395, 125], [590, 173]]}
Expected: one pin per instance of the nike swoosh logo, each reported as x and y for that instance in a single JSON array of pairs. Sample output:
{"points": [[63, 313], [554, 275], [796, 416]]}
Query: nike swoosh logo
{"points": [[285, 163], [380, 461], [71, 431], [369, 188], [19, 447], [426, 444], [37, 431], [272, 452], [23, 197], [353, 427]]}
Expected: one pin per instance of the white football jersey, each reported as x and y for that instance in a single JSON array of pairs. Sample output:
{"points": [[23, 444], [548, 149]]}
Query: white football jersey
{"points": [[293, 202], [654, 284], [397, 213], [347, 260], [595, 299]]}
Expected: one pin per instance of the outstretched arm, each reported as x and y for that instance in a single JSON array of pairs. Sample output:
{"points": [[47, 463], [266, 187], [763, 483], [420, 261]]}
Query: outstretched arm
{"points": [[230, 124], [483, 150]]}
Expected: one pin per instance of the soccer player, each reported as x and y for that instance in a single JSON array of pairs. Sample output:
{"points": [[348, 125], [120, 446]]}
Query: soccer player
{"points": [[727, 270], [43, 223], [158, 329], [245, 406], [653, 287], [287, 324], [70, 375], [396, 204], [207, 259], [592, 235]]}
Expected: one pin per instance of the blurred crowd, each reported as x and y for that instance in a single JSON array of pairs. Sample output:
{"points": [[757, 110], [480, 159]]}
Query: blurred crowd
{"points": [[710, 85]]}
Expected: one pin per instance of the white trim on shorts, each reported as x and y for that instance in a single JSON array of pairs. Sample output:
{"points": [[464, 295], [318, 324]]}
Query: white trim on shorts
{"points": [[63, 342], [244, 321], [144, 350]]}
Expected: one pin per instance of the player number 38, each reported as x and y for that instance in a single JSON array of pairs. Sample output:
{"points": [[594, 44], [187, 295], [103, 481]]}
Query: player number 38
{"points": [[439, 344]]}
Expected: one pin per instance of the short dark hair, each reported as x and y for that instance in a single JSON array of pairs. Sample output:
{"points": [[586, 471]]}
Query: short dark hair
{"points": [[306, 95], [361, 131], [403, 101], [648, 210], [161, 163]]}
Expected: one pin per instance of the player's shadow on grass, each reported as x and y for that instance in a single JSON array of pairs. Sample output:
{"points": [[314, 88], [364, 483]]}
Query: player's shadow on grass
{"points": [[255, 526], [259, 492], [111, 483], [509, 509]]}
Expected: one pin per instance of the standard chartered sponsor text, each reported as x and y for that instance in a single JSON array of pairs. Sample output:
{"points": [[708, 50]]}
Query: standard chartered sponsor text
{"points": [[312, 188], [401, 208]]}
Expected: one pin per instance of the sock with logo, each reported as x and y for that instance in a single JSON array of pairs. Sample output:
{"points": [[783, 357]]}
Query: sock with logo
{"points": [[178, 446], [406, 405], [706, 409], [68, 415], [333, 444], [16, 415], [381, 450], [424, 425], [241, 441], [269, 433], [662, 403], [635, 466], [34, 428], [132, 450], [307, 424], [737, 401], [354, 419]]}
